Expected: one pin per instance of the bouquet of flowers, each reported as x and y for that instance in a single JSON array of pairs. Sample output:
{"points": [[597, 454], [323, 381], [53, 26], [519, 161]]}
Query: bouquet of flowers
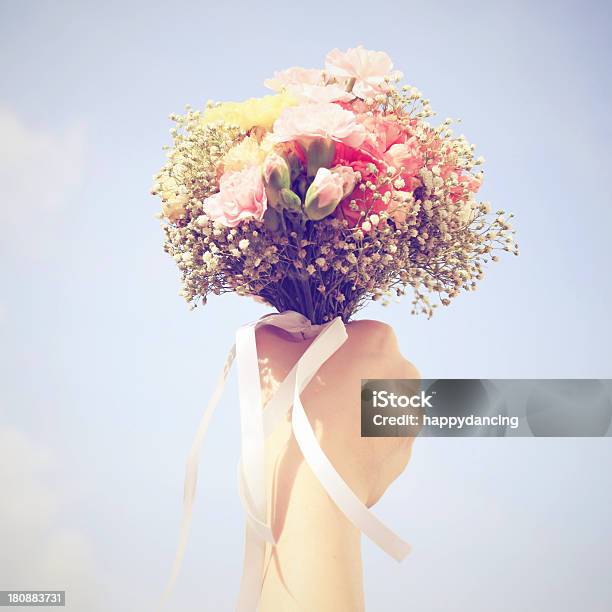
{"points": [[332, 191]]}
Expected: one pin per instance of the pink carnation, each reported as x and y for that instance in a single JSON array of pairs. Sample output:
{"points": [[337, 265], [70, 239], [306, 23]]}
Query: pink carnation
{"points": [[370, 168], [294, 76], [320, 94], [241, 195], [368, 68], [309, 121], [405, 155], [393, 143], [307, 85], [383, 133]]}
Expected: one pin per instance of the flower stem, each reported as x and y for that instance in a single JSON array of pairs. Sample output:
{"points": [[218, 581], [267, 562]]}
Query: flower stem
{"points": [[308, 298]]}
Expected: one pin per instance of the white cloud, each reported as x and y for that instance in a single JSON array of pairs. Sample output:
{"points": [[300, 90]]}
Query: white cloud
{"points": [[37, 551], [39, 171]]}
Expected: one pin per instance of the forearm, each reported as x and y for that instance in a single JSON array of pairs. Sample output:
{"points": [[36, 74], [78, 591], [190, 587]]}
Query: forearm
{"points": [[316, 564]]}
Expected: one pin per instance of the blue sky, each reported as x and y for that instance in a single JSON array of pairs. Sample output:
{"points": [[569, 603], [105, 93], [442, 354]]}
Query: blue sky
{"points": [[104, 370]]}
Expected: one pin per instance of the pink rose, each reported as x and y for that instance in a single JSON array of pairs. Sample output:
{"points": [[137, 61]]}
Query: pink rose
{"points": [[241, 195], [368, 68], [306, 122]]}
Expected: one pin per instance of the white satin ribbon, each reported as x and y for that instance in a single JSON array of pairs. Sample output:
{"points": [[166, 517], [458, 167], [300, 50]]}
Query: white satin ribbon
{"points": [[256, 424]]}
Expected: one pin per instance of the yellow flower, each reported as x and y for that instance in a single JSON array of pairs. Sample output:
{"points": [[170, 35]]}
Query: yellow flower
{"points": [[254, 112], [267, 144], [246, 153]]}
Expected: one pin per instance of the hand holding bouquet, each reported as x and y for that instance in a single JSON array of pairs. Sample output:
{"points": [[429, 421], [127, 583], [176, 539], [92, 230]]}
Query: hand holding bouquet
{"points": [[333, 191]]}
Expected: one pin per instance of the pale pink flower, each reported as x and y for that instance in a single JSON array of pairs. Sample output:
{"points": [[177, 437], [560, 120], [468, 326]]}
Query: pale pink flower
{"points": [[382, 132], [319, 94], [308, 85], [324, 194], [294, 76], [309, 121], [328, 187], [241, 196], [348, 177], [405, 155], [327, 190], [368, 68]]}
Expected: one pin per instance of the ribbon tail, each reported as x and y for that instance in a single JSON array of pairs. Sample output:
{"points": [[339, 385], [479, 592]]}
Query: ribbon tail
{"points": [[251, 422], [263, 530], [251, 475], [250, 583]]}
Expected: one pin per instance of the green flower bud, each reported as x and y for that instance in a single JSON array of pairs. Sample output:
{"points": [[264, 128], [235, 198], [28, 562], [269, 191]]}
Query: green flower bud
{"points": [[290, 199], [276, 176]]}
